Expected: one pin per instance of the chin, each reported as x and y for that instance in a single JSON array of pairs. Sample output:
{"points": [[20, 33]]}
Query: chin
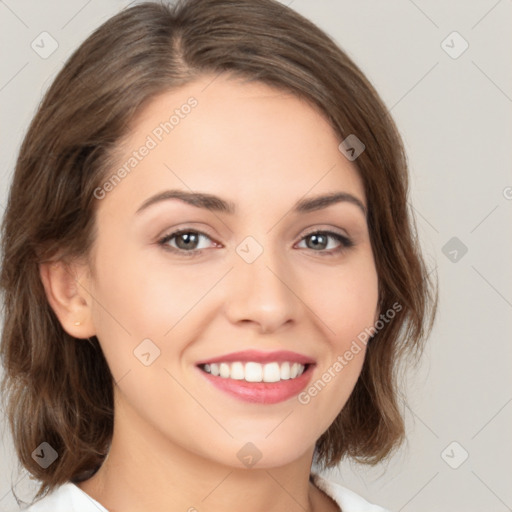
{"points": [[256, 452]]}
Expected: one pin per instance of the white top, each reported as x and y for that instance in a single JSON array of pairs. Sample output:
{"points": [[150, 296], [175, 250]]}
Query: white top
{"points": [[69, 497]]}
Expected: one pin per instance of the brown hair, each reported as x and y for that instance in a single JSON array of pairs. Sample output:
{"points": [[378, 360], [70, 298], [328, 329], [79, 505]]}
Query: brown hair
{"points": [[60, 390]]}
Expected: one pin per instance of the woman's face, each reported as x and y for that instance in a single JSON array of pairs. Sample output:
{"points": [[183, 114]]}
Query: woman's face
{"points": [[253, 288]]}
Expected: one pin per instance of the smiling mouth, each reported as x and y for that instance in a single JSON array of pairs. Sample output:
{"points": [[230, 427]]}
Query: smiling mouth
{"points": [[259, 376], [252, 371]]}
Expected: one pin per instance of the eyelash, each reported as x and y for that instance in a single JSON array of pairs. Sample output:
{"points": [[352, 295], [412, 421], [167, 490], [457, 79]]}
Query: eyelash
{"points": [[346, 243]]}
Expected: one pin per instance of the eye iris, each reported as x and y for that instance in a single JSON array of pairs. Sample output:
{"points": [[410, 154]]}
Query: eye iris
{"points": [[191, 240], [317, 240]]}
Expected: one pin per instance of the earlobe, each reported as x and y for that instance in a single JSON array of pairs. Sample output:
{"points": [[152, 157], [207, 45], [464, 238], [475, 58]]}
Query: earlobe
{"points": [[68, 298]]}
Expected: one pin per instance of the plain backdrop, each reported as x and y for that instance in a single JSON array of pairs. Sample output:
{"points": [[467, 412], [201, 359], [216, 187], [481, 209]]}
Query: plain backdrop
{"points": [[453, 106]]}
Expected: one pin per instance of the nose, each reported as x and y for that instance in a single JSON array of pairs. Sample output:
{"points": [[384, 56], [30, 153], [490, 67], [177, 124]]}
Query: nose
{"points": [[263, 293]]}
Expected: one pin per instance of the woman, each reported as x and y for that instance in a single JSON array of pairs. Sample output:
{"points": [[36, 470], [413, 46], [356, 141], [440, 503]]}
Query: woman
{"points": [[209, 268]]}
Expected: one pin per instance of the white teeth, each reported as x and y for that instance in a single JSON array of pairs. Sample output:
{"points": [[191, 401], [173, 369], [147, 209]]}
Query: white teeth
{"points": [[285, 371], [271, 372], [237, 371], [214, 369], [224, 370], [255, 372]]}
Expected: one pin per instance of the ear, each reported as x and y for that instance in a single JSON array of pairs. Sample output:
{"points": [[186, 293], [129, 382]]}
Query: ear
{"points": [[68, 297]]}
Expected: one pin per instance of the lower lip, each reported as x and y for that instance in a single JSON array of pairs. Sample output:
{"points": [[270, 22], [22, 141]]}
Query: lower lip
{"points": [[261, 392]]}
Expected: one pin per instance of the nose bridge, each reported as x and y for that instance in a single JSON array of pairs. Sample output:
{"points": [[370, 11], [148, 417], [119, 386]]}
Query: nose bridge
{"points": [[261, 285]]}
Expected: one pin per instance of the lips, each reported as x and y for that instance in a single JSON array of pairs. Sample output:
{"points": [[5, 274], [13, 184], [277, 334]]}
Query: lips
{"points": [[261, 377], [260, 357]]}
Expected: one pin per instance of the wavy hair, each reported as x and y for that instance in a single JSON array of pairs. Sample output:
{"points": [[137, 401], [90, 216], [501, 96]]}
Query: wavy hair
{"points": [[59, 389]]}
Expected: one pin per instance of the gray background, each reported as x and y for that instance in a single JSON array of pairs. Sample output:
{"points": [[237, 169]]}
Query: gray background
{"points": [[454, 115]]}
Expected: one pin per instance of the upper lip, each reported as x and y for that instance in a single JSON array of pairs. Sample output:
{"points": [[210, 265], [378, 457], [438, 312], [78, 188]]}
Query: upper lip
{"points": [[279, 356]]}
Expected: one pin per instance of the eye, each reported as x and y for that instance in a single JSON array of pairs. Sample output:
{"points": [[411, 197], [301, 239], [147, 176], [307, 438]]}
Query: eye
{"points": [[185, 241], [319, 241]]}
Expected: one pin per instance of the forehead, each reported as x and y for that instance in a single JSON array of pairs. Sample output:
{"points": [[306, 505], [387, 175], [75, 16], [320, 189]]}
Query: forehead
{"points": [[245, 140]]}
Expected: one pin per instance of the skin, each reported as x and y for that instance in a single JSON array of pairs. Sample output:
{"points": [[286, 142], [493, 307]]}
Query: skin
{"points": [[176, 437]]}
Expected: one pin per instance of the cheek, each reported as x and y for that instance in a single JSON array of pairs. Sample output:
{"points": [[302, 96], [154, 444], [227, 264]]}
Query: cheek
{"points": [[346, 302], [133, 302]]}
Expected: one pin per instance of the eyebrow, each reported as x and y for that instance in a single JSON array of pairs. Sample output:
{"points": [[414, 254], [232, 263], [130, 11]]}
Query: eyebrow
{"points": [[216, 204]]}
